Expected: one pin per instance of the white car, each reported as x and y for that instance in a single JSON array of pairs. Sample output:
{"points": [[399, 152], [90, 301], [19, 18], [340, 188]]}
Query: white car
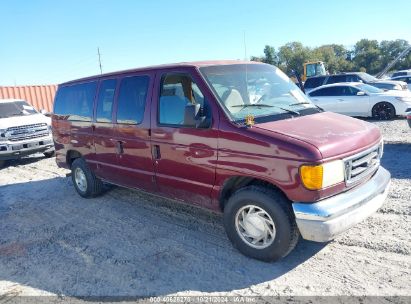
{"points": [[359, 99], [23, 131]]}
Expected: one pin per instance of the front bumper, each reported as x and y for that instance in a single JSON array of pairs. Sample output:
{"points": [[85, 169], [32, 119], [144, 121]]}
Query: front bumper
{"points": [[323, 220], [16, 150]]}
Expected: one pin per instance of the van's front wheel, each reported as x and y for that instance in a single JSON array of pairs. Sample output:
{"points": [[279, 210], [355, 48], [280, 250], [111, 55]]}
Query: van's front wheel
{"points": [[84, 180], [260, 223]]}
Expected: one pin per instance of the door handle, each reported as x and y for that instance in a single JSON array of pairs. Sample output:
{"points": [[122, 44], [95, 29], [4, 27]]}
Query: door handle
{"points": [[156, 152], [119, 146], [339, 99]]}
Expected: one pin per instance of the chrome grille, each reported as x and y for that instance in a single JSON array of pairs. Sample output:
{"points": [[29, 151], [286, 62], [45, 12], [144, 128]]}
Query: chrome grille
{"points": [[362, 164], [27, 132]]}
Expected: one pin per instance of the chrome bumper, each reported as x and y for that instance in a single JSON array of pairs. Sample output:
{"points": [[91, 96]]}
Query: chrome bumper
{"points": [[16, 150], [323, 220]]}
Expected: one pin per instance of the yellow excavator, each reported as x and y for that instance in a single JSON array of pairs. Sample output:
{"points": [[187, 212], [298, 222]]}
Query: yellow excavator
{"points": [[314, 68]]}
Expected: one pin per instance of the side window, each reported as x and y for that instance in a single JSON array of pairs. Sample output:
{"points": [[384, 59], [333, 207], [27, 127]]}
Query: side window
{"points": [[76, 101], [353, 78], [330, 91], [105, 100], [337, 78], [132, 99], [178, 91]]}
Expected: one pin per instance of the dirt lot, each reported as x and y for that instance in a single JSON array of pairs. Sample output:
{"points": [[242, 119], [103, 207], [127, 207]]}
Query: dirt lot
{"points": [[130, 244]]}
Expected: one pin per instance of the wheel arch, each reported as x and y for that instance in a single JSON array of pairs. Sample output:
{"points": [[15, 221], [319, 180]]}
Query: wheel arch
{"points": [[72, 155], [234, 183]]}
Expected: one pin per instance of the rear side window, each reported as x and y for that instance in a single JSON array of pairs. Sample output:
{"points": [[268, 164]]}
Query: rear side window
{"points": [[314, 82], [132, 99], [330, 91], [76, 101], [105, 100]]}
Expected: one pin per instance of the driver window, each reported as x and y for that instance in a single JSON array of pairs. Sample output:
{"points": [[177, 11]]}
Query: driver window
{"points": [[177, 91]]}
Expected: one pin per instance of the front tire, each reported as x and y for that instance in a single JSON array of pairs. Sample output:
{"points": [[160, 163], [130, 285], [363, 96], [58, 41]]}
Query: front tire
{"points": [[383, 111], [84, 180], [49, 154], [2, 163], [260, 223]]}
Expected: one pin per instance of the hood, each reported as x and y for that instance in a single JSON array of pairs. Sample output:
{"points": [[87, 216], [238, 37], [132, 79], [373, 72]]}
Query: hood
{"points": [[394, 93], [389, 82], [16, 121], [332, 134]]}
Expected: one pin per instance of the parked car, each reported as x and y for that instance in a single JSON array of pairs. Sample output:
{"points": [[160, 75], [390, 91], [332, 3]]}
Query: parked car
{"points": [[409, 118], [234, 137], [315, 82], [23, 131], [406, 79], [401, 73], [359, 99]]}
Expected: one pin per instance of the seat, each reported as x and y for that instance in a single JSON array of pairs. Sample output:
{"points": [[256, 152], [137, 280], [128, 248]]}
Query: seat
{"points": [[232, 100]]}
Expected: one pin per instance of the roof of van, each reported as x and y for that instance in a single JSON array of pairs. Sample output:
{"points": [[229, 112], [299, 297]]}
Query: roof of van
{"points": [[197, 64]]}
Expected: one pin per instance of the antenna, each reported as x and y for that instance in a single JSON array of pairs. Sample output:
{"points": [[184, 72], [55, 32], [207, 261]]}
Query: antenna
{"points": [[245, 47], [99, 60]]}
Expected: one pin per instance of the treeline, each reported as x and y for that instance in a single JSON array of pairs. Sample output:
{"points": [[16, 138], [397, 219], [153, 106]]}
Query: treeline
{"points": [[367, 55]]}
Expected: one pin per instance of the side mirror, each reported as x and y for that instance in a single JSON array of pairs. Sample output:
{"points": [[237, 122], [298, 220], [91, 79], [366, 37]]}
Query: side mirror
{"points": [[45, 113], [192, 117], [360, 93]]}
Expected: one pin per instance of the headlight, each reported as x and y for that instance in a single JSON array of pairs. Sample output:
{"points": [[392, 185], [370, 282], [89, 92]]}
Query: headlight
{"points": [[404, 99], [322, 176]]}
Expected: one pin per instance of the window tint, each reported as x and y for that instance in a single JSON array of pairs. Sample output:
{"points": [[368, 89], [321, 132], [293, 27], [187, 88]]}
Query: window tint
{"points": [[337, 78], [330, 91], [76, 101], [105, 100], [353, 78], [313, 82], [132, 99], [178, 91]]}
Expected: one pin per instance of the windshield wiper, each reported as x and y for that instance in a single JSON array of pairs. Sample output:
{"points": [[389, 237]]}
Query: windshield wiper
{"points": [[267, 106], [253, 105], [301, 103]]}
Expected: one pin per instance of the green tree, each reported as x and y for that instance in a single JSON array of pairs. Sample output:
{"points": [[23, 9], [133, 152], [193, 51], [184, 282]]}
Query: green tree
{"points": [[270, 56], [367, 55], [391, 49], [292, 56]]}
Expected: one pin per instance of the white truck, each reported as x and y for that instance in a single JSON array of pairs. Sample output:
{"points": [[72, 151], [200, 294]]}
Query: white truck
{"points": [[23, 131]]}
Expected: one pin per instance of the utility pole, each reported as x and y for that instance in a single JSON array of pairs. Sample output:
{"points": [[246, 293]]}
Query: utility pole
{"points": [[99, 60]]}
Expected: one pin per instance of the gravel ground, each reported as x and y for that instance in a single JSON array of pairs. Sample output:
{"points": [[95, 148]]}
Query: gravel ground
{"points": [[125, 243]]}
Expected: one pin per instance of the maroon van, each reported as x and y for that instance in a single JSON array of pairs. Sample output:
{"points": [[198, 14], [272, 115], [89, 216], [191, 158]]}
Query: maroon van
{"points": [[235, 137]]}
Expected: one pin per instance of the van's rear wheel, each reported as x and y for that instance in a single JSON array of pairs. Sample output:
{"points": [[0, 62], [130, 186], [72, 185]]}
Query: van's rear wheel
{"points": [[2, 163], [260, 223], [84, 180], [383, 111]]}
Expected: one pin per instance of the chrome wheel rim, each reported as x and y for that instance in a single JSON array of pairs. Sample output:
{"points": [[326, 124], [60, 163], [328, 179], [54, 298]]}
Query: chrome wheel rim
{"points": [[255, 226], [80, 179]]}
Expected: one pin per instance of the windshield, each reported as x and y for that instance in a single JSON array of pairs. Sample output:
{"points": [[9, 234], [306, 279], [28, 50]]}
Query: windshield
{"points": [[367, 77], [369, 89], [256, 89], [16, 108]]}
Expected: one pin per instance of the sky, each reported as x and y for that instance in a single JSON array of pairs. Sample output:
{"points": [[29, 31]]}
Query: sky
{"points": [[50, 42]]}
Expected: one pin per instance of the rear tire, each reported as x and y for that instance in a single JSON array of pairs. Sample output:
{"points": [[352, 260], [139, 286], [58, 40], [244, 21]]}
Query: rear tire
{"points": [[260, 223], [49, 154], [84, 180], [383, 111], [2, 163]]}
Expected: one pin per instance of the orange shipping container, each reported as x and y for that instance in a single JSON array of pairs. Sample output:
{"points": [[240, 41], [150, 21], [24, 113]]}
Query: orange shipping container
{"points": [[39, 96]]}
